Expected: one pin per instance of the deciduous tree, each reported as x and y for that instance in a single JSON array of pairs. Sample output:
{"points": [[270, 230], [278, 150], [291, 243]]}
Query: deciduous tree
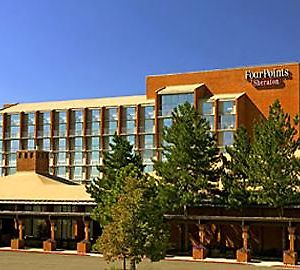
{"points": [[136, 228]]}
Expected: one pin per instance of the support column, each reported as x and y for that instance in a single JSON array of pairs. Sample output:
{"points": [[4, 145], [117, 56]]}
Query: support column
{"points": [[84, 246], [244, 254], [291, 256], [199, 250], [52, 229], [18, 243], [50, 244]]}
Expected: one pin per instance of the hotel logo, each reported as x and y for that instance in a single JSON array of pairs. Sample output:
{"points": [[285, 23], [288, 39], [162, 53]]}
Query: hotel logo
{"points": [[268, 78]]}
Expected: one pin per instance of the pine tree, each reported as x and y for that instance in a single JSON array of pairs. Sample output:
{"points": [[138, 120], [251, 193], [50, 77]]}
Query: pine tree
{"points": [[235, 178], [104, 190], [275, 170], [190, 155]]}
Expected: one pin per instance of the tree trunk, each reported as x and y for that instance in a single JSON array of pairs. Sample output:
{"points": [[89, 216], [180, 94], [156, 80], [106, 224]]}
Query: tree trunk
{"points": [[124, 263], [132, 264]]}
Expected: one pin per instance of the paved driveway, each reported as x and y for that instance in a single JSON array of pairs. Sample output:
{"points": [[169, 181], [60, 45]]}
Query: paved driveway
{"points": [[33, 261]]}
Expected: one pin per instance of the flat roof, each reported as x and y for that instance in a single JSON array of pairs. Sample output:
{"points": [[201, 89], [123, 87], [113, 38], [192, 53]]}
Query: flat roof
{"points": [[78, 104], [226, 69]]}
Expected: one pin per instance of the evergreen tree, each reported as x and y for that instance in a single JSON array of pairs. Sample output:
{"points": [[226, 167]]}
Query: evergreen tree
{"points": [[275, 170], [189, 158], [265, 171], [106, 189], [235, 178], [137, 228]]}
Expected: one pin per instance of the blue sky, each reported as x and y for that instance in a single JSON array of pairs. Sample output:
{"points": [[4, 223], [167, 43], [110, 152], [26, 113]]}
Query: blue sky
{"points": [[70, 49]]}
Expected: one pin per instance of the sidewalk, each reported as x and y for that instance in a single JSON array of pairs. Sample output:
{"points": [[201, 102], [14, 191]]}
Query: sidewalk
{"points": [[189, 259]]}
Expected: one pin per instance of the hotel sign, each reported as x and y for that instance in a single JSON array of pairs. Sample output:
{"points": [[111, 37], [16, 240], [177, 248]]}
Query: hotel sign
{"points": [[268, 78]]}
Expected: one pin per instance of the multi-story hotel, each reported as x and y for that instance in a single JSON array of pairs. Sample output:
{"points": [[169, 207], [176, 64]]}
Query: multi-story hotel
{"points": [[68, 139], [77, 132]]}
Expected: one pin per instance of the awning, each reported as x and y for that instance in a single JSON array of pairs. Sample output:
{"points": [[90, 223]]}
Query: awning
{"points": [[179, 89], [231, 96]]}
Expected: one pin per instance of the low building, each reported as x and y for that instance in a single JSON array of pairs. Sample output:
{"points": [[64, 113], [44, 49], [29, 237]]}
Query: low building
{"points": [[40, 202]]}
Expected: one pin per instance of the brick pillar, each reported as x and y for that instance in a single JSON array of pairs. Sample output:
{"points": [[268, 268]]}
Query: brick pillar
{"points": [[244, 254], [200, 251], [291, 256]]}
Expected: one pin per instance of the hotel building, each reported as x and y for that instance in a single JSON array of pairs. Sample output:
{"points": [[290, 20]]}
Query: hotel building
{"points": [[48, 148], [78, 132]]}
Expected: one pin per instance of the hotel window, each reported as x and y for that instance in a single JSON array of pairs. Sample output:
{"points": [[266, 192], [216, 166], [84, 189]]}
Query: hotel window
{"points": [[62, 117], [94, 157], [95, 115], [62, 128], [31, 119], [15, 132], [128, 125], [225, 138], [14, 145], [78, 129], [31, 130], [62, 144], [207, 112], [61, 171], [111, 120], [12, 159], [95, 126], [93, 122], [147, 141], [111, 127], [46, 131], [169, 102], [30, 145], [78, 143], [94, 172], [78, 158], [227, 115], [226, 122], [95, 143], [46, 144], [78, 116], [77, 172], [62, 158], [76, 126], [28, 125], [46, 118], [15, 119]]}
